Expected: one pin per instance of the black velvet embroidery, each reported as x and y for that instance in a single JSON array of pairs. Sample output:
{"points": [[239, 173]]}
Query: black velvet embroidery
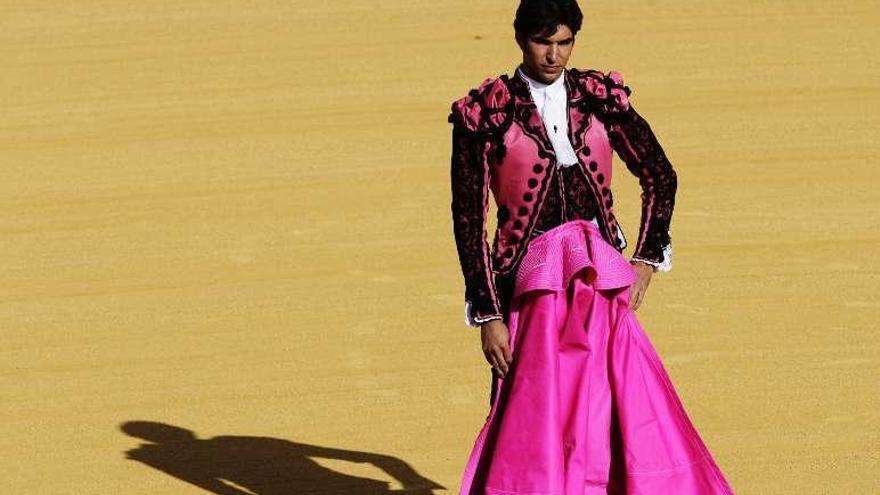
{"points": [[634, 141], [579, 198], [569, 197], [469, 209]]}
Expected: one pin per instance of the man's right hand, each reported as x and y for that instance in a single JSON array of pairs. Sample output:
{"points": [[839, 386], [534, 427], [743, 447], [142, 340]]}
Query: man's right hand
{"points": [[496, 345]]}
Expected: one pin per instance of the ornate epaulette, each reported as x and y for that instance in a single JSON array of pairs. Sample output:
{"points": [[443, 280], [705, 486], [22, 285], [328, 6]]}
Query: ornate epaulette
{"points": [[606, 91], [487, 109]]}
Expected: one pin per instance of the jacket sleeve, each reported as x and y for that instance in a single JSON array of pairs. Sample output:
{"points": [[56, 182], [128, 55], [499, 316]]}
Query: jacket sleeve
{"points": [[634, 141], [470, 203]]}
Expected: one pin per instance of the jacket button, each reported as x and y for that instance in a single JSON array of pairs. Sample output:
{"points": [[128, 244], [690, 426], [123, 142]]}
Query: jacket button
{"points": [[533, 183], [586, 150], [605, 191], [517, 224], [538, 168], [514, 238], [523, 211], [600, 178], [593, 165], [527, 197], [508, 253], [503, 213]]}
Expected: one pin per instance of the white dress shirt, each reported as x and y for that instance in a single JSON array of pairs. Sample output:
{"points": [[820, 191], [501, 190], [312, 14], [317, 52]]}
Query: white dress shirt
{"points": [[552, 102]]}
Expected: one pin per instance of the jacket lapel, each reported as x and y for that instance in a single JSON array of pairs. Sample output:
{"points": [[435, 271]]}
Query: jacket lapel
{"points": [[578, 110], [526, 114]]}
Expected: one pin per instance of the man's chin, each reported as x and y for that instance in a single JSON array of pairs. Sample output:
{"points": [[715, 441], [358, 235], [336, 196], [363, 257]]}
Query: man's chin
{"points": [[550, 76], [545, 75]]}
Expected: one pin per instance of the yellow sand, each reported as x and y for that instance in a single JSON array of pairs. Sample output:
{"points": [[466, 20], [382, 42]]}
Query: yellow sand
{"points": [[233, 218]]}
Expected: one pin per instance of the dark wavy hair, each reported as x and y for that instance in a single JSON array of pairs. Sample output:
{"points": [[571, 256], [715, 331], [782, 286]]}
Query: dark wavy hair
{"points": [[542, 17]]}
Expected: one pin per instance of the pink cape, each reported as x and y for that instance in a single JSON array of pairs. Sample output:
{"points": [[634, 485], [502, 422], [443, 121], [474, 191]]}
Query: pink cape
{"points": [[587, 407]]}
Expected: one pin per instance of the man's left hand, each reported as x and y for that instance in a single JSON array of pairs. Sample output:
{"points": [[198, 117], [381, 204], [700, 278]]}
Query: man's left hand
{"points": [[640, 286]]}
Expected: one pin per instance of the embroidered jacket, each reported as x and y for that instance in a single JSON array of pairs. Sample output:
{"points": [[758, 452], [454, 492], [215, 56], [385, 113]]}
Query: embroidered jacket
{"points": [[499, 143]]}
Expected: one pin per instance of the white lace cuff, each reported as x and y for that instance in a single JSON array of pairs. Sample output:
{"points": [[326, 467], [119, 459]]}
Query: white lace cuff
{"points": [[663, 266], [475, 321]]}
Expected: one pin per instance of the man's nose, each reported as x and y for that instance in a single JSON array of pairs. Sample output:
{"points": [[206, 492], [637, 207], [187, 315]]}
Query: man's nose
{"points": [[552, 54]]}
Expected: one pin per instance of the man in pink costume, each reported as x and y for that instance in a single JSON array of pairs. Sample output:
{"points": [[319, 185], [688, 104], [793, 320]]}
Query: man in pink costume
{"points": [[580, 402]]}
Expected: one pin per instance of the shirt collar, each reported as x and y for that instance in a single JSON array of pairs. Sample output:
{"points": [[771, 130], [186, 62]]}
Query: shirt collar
{"points": [[554, 87]]}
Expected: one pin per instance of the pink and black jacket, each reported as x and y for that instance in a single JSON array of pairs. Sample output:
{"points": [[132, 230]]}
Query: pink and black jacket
{"points": [[499, 143]]}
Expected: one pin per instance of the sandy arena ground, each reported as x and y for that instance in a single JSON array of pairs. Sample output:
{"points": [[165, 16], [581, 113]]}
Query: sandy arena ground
{"points": [[227, 256]]}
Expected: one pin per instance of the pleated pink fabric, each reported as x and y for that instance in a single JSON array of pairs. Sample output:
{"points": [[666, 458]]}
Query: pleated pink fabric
{"points": [[587, 407]]}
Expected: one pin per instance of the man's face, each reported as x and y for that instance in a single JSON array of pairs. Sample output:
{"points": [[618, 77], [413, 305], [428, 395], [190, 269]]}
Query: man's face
{"points": [[544, 56]]}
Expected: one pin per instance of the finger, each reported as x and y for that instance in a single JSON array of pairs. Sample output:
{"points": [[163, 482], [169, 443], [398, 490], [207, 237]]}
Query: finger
{"points": [[639, 297], [497, 371], [634, 297], [502, 364], [508, 354], [490, 358]]}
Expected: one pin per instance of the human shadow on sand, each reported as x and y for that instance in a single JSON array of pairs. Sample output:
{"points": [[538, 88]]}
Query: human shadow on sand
{"points": [[242, 465]]}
